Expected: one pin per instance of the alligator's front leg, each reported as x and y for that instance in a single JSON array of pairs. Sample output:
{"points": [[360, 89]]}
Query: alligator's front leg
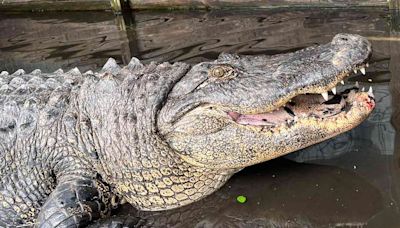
{"points": [[22, 193], [69, 195], [75, 202]]}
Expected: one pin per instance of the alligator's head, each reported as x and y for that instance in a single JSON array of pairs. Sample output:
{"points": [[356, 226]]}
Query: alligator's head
{"points": [[242, 110]]}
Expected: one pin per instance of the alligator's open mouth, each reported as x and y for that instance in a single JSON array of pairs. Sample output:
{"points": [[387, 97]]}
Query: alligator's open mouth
{"points": [[331, 105], [251, 109]]}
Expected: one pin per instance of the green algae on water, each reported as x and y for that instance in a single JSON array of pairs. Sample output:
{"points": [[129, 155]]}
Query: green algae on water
{"points": [[241, 199]]}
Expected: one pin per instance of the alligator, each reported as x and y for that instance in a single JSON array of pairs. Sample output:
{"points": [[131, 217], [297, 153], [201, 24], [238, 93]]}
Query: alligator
{"points": [[159, 135]]}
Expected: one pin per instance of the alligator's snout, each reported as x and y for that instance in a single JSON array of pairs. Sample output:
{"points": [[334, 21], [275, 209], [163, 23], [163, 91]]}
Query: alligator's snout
{"points": [[352, 40], [350, 49]]}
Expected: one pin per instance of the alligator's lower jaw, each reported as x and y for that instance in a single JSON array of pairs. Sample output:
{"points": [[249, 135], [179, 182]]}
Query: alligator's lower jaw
{"points": [[345, 108], [233, 140]]}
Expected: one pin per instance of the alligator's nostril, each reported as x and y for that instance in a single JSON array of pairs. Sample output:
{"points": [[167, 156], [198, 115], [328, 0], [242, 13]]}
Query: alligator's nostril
{"points": [[345, 38]]}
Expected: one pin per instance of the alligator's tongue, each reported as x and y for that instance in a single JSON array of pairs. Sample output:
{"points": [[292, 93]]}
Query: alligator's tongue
{"points": [[302, 106]]}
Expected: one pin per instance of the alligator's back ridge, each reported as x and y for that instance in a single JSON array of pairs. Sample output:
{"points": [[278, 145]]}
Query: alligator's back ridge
{"points": [[25, 98]]}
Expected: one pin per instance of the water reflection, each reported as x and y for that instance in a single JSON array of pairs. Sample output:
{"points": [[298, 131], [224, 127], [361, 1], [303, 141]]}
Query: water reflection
{"points": [[281, 194], [58, 40], [351, 179]]}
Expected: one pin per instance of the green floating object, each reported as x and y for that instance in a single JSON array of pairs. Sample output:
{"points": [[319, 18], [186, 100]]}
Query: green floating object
{"points": [[241, 199]]}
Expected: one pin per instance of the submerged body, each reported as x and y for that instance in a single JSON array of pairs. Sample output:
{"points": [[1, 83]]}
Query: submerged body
{"points": [[161, 136]]}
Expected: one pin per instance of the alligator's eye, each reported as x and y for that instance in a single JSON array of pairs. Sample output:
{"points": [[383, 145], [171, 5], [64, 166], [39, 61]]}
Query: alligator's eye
{"points": [[221, 71], [217, 72]]}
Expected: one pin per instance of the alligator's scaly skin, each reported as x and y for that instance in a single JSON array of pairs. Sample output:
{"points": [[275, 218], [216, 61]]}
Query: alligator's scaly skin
{"points": [[72, 145], [64, 128]]}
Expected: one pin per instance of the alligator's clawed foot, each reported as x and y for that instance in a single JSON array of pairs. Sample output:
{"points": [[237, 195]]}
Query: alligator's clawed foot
{"points": [[74, 203]]}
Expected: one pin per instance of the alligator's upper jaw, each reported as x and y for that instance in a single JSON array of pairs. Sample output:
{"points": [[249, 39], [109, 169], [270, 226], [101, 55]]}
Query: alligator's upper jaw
{"points": [[351, 55], [311, 70]]}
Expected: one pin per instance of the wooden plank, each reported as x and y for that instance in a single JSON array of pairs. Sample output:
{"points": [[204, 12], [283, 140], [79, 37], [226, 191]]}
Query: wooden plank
{"points": [[54, 5], [67, 5], [79, 5], [205, 4]]}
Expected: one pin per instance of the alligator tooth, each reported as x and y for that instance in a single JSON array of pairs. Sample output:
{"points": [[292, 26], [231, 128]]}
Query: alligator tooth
{"points": [[367, 65], [363, 89], [370, 92], [357, 85], [355, 71], [334, 90], [325, 96], [342, 82], [362, 69], [4, 73]]}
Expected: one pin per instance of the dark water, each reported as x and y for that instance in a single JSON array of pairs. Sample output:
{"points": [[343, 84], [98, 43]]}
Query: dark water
{"points": [[352, 180]]}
